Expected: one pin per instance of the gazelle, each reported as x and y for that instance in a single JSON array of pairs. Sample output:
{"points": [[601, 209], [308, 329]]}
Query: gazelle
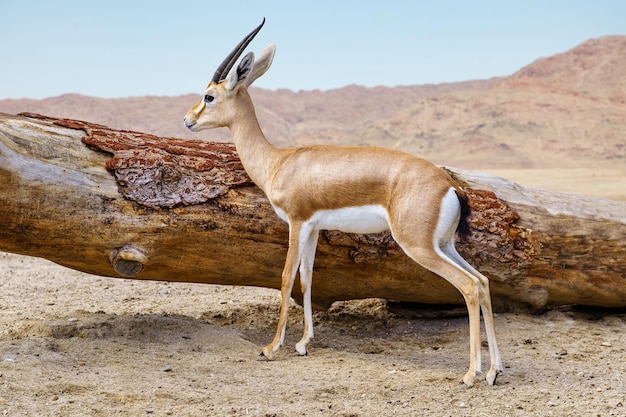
{"points": [[352, 189]]}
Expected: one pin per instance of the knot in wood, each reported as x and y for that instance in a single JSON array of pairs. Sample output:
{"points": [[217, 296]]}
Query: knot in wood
{"points": [[128, 260]]}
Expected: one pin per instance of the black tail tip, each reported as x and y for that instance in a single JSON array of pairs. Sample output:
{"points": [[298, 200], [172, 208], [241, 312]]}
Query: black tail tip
{"points": [[464, 229]]}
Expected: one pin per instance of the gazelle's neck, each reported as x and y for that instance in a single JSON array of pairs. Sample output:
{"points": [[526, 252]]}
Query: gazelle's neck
{"points": [[257, 155]]}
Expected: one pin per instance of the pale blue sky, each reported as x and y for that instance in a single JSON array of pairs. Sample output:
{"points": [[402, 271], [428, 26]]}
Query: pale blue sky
{"points": [[112, 48]]}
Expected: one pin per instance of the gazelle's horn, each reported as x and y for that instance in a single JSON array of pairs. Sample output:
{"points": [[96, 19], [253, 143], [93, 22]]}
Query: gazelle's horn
{"points": [[227, 64]]}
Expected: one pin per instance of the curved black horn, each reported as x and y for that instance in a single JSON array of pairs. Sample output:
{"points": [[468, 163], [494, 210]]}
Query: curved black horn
{"points": [[227, 64]]}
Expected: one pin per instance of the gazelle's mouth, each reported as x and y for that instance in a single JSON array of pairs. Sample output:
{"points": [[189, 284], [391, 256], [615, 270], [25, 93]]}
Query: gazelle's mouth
{"points": [[190, 125]]}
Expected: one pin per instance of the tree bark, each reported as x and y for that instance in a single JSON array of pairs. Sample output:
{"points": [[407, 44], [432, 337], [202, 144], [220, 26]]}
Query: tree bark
{"points": [[129, 204]]}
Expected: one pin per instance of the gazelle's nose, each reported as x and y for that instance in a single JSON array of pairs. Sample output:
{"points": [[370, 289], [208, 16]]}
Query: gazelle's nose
{"points": [[189, 124]]}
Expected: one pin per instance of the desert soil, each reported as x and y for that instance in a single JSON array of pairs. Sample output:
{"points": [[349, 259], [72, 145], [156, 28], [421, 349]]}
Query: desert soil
{"points": [[73, 344]]}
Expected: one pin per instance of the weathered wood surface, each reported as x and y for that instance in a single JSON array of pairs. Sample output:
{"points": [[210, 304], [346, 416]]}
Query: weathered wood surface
{"points": [[129, 204]]}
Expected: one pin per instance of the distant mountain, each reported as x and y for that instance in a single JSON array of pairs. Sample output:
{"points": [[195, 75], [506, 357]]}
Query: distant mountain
{"points": [[596, 69], [565, 111]]}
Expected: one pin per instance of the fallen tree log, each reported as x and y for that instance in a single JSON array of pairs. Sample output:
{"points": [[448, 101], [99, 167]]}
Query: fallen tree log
{"points": [[129, 204]]}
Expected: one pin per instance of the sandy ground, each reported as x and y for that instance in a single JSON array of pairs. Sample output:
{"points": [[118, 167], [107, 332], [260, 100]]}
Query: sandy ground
{"points": [[73, 344]]}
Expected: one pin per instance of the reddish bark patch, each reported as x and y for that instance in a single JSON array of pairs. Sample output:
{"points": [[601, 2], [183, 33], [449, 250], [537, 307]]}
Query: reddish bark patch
{"points": [[495, 239], [163, 172]]}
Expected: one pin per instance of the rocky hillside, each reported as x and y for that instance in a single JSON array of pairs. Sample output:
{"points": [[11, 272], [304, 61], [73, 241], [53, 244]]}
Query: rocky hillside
{"points": [[563, 111]]}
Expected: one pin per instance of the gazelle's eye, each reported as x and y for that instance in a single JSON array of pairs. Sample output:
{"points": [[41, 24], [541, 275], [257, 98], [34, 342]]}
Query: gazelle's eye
{"points": [[208, 98]]}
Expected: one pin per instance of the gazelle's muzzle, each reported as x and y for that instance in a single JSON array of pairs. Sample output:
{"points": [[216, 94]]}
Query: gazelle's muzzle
{"points": [[193, 115], [190, 124]]}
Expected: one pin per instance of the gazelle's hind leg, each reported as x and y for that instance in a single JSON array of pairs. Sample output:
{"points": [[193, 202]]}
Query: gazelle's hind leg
{"points": [[470, 289], [294, 255], [433, 259], [432, 247], [306, 279], [485, 303]]}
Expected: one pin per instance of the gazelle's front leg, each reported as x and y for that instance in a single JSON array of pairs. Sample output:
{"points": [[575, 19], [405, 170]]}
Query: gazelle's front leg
{"points": [[306, 280], [294, 255]]}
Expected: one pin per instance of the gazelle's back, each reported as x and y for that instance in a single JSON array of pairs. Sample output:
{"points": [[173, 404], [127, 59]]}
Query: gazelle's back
{"points": [[339, 177]]}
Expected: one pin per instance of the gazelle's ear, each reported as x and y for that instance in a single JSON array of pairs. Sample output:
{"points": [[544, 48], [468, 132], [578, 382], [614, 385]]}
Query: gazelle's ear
{"points": [[262, 64], [241, 73]]}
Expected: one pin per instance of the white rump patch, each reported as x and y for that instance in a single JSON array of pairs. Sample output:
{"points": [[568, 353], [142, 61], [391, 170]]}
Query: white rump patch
{"points": [[448, 218]]}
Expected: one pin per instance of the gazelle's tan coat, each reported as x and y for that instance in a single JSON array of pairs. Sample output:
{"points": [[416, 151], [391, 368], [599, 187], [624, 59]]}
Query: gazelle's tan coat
{"points": [[353, 189]]}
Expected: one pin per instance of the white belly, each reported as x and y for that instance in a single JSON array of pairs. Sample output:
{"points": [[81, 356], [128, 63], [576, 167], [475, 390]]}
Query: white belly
{"points": [[360, 219]]}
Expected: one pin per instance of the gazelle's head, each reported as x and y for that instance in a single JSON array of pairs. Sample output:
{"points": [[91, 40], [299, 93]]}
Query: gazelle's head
{"points": [[218, 106]]}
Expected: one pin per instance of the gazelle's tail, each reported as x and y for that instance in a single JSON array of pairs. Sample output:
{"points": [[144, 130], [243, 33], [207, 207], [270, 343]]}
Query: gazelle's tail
{"points": [[463, 229]]}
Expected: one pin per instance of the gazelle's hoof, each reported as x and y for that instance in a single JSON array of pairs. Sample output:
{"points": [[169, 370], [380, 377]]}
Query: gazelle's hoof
{"points": [[491, 377], [469, 379], [301, 350], [263, 357]]}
